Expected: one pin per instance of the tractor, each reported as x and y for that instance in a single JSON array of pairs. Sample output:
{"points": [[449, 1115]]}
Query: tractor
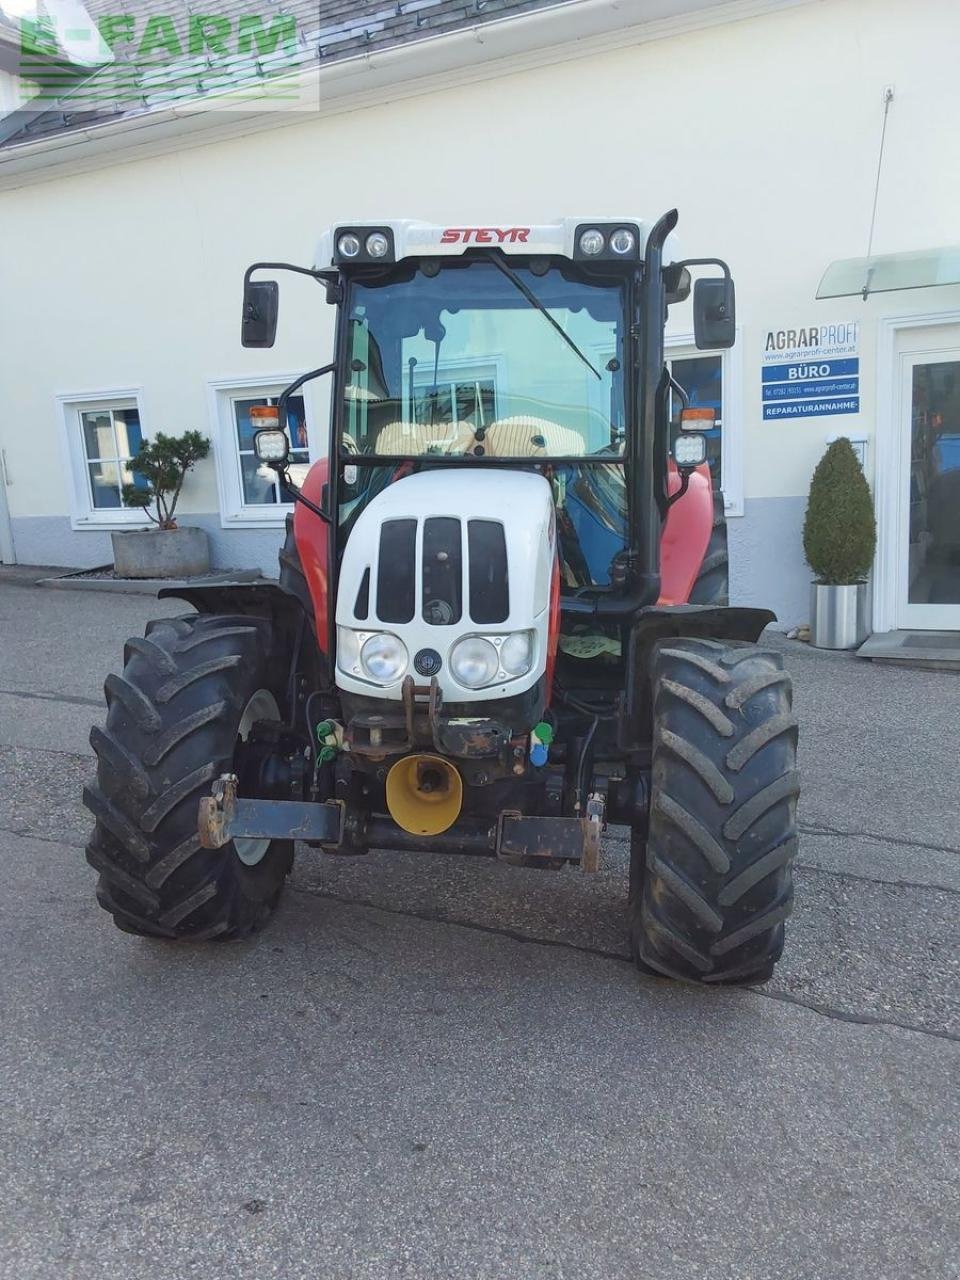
{"points": [[501, 620]]}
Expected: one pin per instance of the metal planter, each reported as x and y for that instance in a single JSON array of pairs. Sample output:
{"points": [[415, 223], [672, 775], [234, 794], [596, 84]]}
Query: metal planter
{"points": [[838, 616]]}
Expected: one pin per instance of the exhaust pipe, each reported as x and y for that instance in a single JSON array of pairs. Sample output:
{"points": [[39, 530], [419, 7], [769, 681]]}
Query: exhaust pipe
{"points": [[424, 794]]}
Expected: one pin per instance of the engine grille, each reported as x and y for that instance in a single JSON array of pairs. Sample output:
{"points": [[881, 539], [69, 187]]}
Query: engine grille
{"points": [[442, 578]]}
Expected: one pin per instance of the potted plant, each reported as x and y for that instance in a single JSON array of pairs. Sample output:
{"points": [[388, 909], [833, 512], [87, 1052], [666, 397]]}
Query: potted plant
{"points": [[839, 539], [166, 551]]}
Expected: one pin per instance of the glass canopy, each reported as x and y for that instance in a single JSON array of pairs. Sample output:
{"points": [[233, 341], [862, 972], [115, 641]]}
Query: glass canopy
{"points": [[886, 272]]}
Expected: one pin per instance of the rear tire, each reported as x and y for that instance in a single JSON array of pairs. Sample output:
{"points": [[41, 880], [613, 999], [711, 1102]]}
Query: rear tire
{"points": [[172, 727], [712, 883], [712, 585]]}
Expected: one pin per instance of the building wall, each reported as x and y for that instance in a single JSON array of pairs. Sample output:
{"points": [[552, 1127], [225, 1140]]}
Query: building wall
{"points": [[763, 132]]}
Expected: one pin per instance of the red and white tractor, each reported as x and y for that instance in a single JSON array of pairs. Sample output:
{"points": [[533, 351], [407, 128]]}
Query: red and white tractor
{"points": [[501, 621]]}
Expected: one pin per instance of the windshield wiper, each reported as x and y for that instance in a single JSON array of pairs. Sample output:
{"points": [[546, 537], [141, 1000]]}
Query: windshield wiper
{"points": [[534, 301]]}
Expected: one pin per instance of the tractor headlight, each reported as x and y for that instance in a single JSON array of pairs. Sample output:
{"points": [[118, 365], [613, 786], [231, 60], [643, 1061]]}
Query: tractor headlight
{"points": [[383, 657], [592, 242], [474, 662], [348, 246], [477, 661], [516, 653]]}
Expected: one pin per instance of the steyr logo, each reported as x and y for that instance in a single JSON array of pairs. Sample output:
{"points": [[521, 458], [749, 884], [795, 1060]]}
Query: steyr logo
{"points": [[485, 235]]}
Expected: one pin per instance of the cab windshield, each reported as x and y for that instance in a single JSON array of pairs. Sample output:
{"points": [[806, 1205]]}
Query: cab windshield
{"points": [[464, 362]]}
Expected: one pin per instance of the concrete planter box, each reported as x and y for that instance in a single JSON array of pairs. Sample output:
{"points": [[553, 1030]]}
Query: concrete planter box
{"points": [[838, 616], [161, 553]]}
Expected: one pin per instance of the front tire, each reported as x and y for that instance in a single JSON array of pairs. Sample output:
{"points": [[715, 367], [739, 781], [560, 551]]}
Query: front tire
{"points": [[711, 882], [176, 718]]}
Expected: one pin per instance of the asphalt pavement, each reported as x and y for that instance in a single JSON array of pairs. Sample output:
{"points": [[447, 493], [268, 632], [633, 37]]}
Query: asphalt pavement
{"points": [[436, 1067]]}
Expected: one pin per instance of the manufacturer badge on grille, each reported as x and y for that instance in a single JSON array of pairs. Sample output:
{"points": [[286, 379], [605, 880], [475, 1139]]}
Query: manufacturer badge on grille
{"points": [[427, 662]]}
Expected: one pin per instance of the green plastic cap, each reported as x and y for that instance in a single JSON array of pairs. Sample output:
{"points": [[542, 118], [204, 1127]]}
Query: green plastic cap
{"points": [[544, 732]]}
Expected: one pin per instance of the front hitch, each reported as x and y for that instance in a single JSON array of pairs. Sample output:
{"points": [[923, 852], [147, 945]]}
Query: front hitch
{"points": [[225, 816]]}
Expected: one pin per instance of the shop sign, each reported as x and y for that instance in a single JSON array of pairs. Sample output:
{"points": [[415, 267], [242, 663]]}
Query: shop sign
{"points": [[811, 372]]}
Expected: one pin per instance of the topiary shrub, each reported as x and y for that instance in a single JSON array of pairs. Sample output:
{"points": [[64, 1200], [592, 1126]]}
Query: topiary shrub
{"points": [[839, 531], [163, 462]]}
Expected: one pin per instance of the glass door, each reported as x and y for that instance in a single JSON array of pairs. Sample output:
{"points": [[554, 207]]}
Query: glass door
{"points": [[929, 578]]}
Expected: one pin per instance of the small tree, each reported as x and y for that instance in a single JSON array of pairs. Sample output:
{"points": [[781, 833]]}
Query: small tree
{"points": [[839, 532], [163, 462]]}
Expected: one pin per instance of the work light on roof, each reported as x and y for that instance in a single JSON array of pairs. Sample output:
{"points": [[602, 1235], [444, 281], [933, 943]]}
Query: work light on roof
{"points": [[377, 244], [348, 246], [623, 241], [592, 243]]}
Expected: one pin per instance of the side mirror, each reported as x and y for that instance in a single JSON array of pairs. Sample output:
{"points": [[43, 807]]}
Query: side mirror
{"points": [[714, 314], [261, 302]]}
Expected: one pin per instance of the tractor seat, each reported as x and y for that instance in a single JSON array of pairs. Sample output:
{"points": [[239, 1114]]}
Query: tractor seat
{"points": [[528, 437], [417, 439]]}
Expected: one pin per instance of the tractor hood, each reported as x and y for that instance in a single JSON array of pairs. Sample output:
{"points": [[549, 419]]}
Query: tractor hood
{"points": [[447, 573]]}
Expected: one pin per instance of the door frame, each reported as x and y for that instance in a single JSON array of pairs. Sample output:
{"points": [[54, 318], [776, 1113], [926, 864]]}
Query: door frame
{"points": [[7, 554], [887, 482]]}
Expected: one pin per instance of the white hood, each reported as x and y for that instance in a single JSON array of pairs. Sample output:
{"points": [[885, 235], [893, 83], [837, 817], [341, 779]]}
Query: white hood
{"points": [[520, 503]]}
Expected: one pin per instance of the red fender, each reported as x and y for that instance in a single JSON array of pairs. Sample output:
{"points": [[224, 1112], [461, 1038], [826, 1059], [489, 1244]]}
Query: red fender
{"points": [[686, 534], [312, 536]]}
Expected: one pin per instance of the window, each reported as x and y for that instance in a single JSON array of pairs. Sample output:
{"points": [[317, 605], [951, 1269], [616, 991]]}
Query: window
{"points": [[111, 437], [712, 380], [102, 433], [251, 492], [434, 361]]}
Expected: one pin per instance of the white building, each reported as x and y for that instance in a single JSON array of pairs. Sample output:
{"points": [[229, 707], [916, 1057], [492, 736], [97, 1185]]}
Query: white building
{"points": [[124, 235]]}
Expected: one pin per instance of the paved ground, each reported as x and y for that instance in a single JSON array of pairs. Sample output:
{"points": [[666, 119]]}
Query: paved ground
{"points": [[431, 1067]]}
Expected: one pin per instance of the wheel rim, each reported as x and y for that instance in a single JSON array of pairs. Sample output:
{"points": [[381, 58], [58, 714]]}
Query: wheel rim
{"points": [[262, 706]]}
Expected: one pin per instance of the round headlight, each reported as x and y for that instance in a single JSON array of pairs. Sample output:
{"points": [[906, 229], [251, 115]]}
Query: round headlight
{"points": [[623, 241], [592, 243], [384, 657], [348, 246], [377, 244], [516, 653], [474, 662], [348, 649]]}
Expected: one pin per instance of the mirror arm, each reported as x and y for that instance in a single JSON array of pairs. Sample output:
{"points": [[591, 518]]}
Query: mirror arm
{"points": [[325, 276], [705, 262], [298, 494], [297, 383], [679, 391]]}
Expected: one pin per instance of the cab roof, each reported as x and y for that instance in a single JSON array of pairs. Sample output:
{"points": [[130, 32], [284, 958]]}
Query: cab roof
{"points": [[409, 238]]}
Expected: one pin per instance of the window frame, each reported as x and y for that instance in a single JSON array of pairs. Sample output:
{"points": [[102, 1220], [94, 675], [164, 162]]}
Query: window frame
{"points": [[681, 346], [71, 405], [222, 393]]}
